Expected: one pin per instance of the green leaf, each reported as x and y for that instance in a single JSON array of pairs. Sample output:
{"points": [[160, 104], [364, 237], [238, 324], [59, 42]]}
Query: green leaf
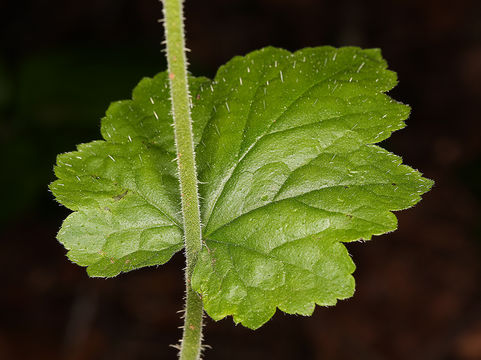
{"points": [[124, 190], [288, 171]]}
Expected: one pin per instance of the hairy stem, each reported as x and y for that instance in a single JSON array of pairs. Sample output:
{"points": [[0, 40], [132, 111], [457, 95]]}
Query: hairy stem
{"points": [[179, 90]]}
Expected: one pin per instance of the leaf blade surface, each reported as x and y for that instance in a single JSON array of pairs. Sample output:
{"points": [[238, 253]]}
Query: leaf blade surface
{"points": [[124, 190], [288, 171], [298, 176]]}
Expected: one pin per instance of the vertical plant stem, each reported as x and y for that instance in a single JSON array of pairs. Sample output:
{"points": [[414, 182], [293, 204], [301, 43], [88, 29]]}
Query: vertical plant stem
{"points": [[179, 90]]}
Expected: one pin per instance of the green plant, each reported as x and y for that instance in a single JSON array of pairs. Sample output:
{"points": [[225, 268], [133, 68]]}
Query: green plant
{"points": [[287, 171]]}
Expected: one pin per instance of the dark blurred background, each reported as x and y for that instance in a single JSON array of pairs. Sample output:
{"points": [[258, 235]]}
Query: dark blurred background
{"points": [[418, 289]]}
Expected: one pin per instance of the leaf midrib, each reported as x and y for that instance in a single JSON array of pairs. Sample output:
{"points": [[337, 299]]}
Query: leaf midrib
{"points": [[207, 235]]}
